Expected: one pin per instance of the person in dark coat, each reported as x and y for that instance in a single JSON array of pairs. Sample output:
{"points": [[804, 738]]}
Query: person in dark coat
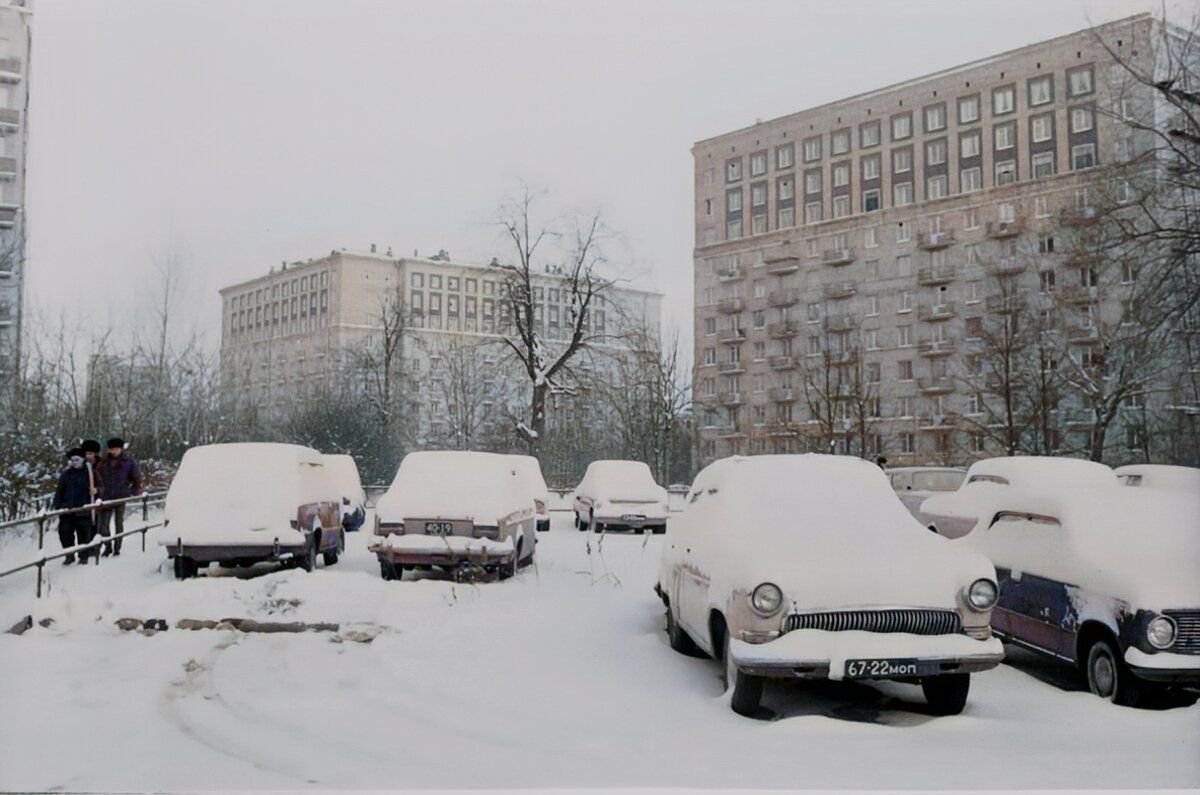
{"points": [[122, 477], [75, 485]]}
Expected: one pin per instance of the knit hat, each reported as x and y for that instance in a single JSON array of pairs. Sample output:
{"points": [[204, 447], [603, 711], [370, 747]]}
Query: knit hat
{"points": [[116, 441], [75, 451], [90, 446]]}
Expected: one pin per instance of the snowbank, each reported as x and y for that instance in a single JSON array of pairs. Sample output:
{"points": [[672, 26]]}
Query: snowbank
{"points": [[454, 484]]}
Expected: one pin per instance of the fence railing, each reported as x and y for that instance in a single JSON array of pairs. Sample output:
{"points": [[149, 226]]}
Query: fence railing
{"points": [[41, 519]]}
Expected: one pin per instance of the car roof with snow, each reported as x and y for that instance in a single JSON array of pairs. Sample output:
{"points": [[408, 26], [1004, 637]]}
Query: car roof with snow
{"points": [[1030, 470], [530, 470], [629, 480], [343, 471], [455, 484], [1160, 476]]}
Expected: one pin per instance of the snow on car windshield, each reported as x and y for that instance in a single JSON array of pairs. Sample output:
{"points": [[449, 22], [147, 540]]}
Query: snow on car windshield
{"points": [[454, 484]]}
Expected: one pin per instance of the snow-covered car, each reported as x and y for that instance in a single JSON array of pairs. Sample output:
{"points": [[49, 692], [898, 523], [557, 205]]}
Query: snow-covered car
{"points": [[620, 494], [913, 485], [245, 503], [1102, 578], [343, 471], [1160, 476], [529, 472], [808, 567], [956, 513], [455, 510]]}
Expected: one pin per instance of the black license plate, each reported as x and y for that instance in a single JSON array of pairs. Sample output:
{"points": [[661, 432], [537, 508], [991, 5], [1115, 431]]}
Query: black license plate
{"points": [[439, 529], [889, 669]]}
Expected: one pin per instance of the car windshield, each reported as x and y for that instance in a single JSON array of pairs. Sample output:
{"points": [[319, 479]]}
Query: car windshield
{"points": [[945, 480]]}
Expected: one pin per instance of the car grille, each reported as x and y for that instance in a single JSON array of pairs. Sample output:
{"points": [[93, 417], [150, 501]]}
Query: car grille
{"points": [[1187, 624], [916, 622]]}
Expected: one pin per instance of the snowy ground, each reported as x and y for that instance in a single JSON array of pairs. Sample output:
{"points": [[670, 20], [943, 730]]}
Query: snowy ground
{"points": [[560, 678]]}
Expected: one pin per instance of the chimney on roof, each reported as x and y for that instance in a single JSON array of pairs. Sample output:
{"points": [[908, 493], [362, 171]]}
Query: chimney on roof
{"points": [[389, 251], [495, 263], [372, 248]]}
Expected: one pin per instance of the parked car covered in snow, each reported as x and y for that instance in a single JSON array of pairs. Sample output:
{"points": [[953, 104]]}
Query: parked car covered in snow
{"points": [[1160, 476], [620, 494], [956, 513], [529, 472], [1102, 578], [455, 510], [807, 566], [245, 503], [344, 474], [913, 485]]}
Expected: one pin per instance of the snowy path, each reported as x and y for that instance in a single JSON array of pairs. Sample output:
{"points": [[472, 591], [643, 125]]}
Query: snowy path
{"points": [[561, 678]]}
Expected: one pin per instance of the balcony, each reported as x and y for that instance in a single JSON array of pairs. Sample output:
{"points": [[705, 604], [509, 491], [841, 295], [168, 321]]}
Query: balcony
{"points": [[932, 349], [8, 217], [729, 274], [782, 363], [1005, 266], [731, 306], [842, 357], [839, 290], [1078, 216], [1005, 304], [1082, 258], [781, 298], [931, 276], [938, 422], [10, 120], [728, 335], [999, 230], [781, 394], [1079, 417], [1078, 294], [841, 322], [932, 241], [10, 70], [731, 368], [936, 312], [783, 329], [837, 256], [731, 398], [781, 265], [935, 384], [728, 432], [1083, 335]]}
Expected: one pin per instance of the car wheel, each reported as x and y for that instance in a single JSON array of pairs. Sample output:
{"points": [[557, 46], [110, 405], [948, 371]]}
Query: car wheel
{"points": [[543, 526], [185, 568], [946, 693], [659, 529], [1109, 677], [579, 525], [309, 561], [678, 638], [598, 527], [747, 689], [330, 557], [390, 571], [509, 570]]}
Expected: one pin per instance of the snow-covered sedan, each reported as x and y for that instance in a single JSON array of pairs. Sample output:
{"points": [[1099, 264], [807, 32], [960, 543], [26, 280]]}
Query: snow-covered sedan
{"points": [[1160, 476], [1102, 578], [529, 472], [620, 494], [913, 485], [956, 513], [343, 471], [459, 511], [240, 504], [807, 566]]}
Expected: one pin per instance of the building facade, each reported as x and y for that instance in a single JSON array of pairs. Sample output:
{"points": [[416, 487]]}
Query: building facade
{"points": [[305, 325], [15, 16], [853, 261]]}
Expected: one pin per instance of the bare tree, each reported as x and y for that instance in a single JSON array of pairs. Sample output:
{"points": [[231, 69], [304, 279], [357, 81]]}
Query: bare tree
{"points": [[379, 365], [840, 398]]}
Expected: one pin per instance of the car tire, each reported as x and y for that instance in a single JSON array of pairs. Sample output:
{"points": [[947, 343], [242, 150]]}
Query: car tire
{"points": [[747, 689], [946, 694], [330, 557], [679, 639], [309, 561], [185, 568], [1109, 677], [598, 527], [543, 526], [659, 529], [390, 571], [509, 570], [579, 525]]}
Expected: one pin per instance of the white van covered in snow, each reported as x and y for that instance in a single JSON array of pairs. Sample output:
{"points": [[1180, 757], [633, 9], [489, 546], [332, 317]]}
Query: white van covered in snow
{"points": [[455, 510], [239, 504], [620, 494], [529, 472]]}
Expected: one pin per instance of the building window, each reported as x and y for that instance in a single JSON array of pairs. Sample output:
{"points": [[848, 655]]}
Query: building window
{"points": [[710, 356], [935, 152], [1081, 120], [733, 230], [784, 156], [971, 219], [759, 319], [812, 213], [974, 292], [935, 117], [901, 126], [1080, 81], [1043, 165], [968, 144], [787, 217], [708, 207], [812, 149], [733, 201], [812, 181], [974, 328], [758, 195], [902, 194], [936, 187], [471, 285], [1005, 136], [758, 224], [1046, 244], [841, 175], [1004, 100], [435, 282], [1006, 172], [968, 109], [1041, 128], [1046, 282], [904, 369], [872, 306], [841, 206], [418, 280], [871, 343], [1041, 91], [839, 142], [902, 232], [758, 164], [901, 160], [787, 189], [733, 171], [868, 134], [970, 180], [871, 237], [1006, 212], [1041, 207], [871, 167], [1083, 156]]}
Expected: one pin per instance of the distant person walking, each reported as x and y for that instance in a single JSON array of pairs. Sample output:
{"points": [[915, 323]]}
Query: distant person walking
{"points": [[122, 477], [75, 485]]}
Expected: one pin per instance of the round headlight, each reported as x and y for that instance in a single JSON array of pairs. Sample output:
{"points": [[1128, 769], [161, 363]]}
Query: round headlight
{"points": [[1161, 632], [766, 599], [982, 594]]}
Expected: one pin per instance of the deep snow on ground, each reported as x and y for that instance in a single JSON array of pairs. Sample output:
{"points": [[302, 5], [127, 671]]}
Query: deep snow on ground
{"points": [[559, 678]]}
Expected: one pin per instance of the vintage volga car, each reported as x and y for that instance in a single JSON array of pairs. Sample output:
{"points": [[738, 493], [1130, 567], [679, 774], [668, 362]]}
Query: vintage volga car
{"points": [[1160, 476], [240, 504], [529, 472], [954, 514], [1105, 579], [459, 511], [344, 473], [913, 485], [620, 494], [807, 566]]}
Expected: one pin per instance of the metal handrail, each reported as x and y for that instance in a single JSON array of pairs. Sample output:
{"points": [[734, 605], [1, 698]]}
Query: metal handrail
{"points": [[94, 544], [40, 519]]}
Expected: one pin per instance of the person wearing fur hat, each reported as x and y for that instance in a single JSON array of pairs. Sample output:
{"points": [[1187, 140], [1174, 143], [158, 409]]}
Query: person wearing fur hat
{"points": [[122, 477], [74, 490]]}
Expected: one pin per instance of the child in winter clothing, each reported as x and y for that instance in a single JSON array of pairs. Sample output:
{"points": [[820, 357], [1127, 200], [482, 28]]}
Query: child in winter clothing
{"points": [[75, 488]]}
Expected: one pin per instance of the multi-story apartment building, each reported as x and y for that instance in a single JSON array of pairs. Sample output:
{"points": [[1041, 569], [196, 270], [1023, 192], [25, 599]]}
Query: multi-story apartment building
{"points": [[849, 257], [14, 104], [305, 324]]}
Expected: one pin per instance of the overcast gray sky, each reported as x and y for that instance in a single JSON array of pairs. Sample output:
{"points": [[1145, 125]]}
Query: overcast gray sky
{"points": [[248, 132]]}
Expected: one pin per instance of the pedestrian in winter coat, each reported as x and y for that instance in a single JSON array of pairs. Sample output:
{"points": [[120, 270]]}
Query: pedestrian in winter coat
{"points": [[122, 477], [75, 485], [91, 457]]}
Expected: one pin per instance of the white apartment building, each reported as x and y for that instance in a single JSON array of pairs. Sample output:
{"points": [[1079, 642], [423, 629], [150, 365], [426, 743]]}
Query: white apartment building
{"points": [[15, 18]]}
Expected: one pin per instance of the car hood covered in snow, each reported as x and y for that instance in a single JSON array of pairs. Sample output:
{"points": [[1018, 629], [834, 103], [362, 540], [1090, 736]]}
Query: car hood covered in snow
{"points": [[454, 484]]}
